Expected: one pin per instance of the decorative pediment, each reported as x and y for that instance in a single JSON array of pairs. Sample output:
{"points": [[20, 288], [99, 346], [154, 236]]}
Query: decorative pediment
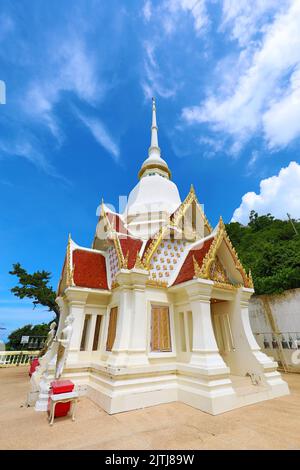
{"points": [[187, 216], [211, 266], [217, 272]]}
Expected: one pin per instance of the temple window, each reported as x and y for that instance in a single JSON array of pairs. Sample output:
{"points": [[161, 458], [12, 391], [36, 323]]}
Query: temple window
{"points": [[97, 332], [83, 344], [160, 329], [112, 328]]}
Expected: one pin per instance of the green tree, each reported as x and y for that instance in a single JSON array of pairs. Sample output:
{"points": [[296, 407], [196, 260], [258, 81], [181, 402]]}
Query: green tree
{"points": [[14, 339], [35, 286], [271, 249]]}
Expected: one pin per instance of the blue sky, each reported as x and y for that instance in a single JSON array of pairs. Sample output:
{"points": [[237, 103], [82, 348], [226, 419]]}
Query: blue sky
{"points": [[76, 124]]}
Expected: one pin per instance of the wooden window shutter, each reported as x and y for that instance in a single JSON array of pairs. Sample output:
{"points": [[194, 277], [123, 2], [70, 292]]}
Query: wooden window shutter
{"points": [[165, 339], [160, 329], [155, 329], [97, 332], [112, 328]]}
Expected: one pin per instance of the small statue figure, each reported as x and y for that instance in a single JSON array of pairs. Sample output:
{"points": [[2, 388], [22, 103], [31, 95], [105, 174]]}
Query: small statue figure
{"points": [[64, 342], [49, 340]]}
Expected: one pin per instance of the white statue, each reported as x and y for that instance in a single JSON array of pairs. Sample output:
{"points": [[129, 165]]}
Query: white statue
{"points": [[63, 345], [50, 338]]}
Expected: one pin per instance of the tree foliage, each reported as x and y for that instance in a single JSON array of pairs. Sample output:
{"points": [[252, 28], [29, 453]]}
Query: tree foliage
{"points": [[14, 339], [35, 286], [271, 249]]}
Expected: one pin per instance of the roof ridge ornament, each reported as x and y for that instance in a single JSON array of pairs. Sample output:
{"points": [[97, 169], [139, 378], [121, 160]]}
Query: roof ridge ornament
{"points": [[197, 269], [69, 262], [125, 262], [139, 263]]}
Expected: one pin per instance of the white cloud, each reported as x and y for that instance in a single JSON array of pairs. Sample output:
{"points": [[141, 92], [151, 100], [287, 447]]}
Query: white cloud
{"points": [[173, 14], [259, 90], [154, 83], [75, 71], [244, 19], [278, 195], [147, 10], [23, 148], [282, 120], [101, 135]]}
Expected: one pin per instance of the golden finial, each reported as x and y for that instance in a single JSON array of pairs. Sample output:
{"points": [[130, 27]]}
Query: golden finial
{"points": [[192, 189], [221, 223], [197, 269], [250, 278], [125, 262], [139, 263]]}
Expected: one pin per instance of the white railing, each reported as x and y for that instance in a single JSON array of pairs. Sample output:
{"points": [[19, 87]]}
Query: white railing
{"points": [[16, 358]]}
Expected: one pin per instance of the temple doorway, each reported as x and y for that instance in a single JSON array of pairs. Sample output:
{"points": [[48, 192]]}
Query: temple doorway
{"points": [[221, 320]]}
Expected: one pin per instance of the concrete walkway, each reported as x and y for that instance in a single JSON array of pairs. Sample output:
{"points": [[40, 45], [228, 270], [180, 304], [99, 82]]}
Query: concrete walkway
{"points": [[274, 424]]}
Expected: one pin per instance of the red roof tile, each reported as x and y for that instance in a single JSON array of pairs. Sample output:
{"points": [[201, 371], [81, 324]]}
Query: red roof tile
{"points": [[186, 272], [89, 269]]}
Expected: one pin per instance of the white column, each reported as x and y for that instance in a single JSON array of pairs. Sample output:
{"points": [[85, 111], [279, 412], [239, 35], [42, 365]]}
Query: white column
{"points": [[138, 336], [118, 355], [131, 335], [76, 301], [205, 353]]}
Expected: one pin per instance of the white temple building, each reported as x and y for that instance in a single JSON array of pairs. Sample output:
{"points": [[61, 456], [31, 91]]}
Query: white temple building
{"points": [[159, 306]]}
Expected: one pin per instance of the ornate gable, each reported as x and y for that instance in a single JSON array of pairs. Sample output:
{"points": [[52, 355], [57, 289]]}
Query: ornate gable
{"points": [[211, 266], [189, 216]]}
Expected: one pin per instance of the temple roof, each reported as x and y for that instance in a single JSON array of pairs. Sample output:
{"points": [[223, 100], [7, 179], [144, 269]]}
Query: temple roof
{"points": [[89, 269], [187, 270]]}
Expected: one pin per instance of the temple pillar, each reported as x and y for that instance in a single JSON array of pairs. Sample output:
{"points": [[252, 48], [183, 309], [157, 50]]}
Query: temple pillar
{"points": [[131, 335], [205, 353], [138, 337]]}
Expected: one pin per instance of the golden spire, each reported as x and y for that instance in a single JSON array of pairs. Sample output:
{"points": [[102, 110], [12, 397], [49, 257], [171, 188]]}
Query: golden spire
{"points": [[154, 162]]}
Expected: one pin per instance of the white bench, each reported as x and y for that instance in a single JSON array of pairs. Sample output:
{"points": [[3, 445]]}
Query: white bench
{"points": [[62, 398]]}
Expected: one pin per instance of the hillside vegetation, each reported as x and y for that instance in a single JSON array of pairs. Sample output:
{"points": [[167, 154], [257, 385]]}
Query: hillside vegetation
{"points": [[271, 249]]}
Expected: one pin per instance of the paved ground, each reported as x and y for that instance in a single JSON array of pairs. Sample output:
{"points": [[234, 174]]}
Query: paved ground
{"points": [[274, 424]]}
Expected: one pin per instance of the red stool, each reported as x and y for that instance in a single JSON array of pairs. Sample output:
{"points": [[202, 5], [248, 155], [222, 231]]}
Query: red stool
{"points": [[61, 386]]}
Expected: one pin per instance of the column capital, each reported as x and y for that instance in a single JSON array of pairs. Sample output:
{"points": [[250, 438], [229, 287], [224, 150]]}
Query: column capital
{"points": [[199, 289], [134, 278], [76, 297], [245, 295]]}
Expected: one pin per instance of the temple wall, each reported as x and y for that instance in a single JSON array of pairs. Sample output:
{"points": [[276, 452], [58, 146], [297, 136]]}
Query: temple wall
{"points": [[275, 321]]}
